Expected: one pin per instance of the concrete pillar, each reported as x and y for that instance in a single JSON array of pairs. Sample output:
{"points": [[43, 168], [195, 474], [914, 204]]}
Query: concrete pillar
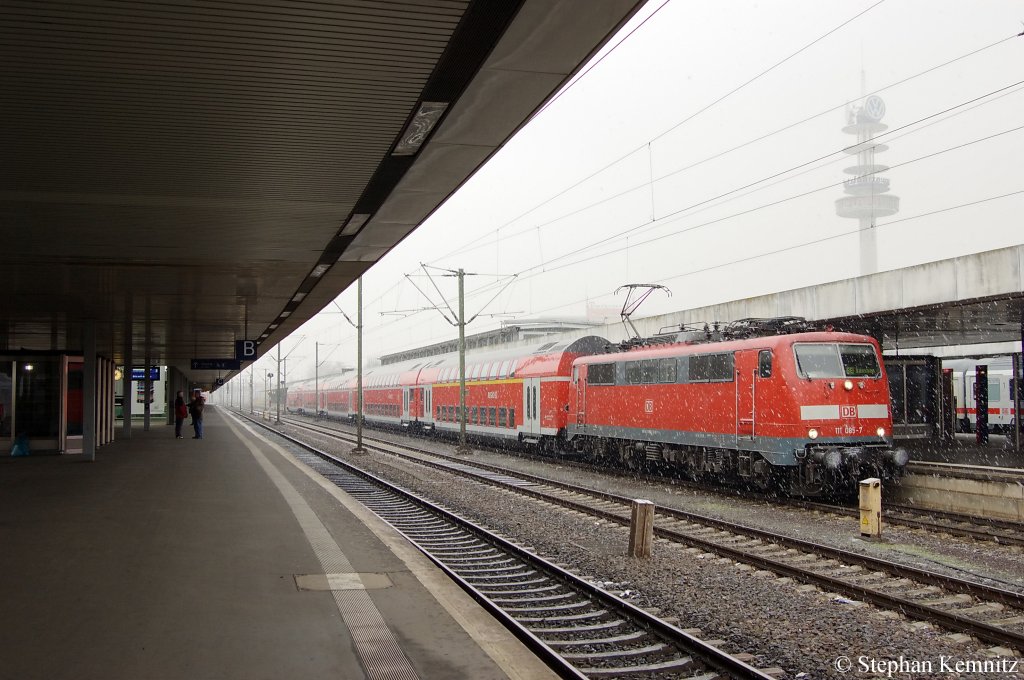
{"points": [[126, 391], [641, 529], [89, 390]]}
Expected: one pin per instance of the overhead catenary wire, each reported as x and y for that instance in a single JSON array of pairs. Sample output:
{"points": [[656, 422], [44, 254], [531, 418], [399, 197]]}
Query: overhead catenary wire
{"points": [[805, 244], [474, 243], [547, 265]]}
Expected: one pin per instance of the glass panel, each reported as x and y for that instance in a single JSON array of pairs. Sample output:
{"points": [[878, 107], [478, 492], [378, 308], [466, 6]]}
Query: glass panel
{"points": [[633, 373], [764, 363], [994, 393], [818, 360], [649, 371], [666, 370], [75, 406], [491, 419], [898, 395], [6, 393], [502, 417], [511, 417], [859, 361], [37, 385], [601, 374]]}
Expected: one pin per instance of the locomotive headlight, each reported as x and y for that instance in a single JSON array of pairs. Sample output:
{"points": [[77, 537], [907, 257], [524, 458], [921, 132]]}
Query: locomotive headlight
{"points": [[881, 431], [848, 385], [812, 433]]}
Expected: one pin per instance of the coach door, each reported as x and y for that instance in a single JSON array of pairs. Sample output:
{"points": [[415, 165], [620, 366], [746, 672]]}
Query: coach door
{"points": [[531, 407], [428, 405]]}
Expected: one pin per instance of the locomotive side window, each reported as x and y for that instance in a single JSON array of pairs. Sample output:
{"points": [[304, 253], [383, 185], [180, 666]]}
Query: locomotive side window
{"points": [[649, 371], [601, 374], [633, 373], [711, 368], [666, 370], [764, 363]]}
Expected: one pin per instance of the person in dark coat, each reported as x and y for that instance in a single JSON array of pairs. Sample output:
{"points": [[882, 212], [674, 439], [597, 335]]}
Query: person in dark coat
{"points": [[180, 413], [195, 407]]}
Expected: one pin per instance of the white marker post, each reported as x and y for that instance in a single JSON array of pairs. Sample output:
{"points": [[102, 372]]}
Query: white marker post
{"points": [[871, 508]]}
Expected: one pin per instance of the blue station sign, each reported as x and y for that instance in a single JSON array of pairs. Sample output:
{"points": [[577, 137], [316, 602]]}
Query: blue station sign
{"points": [[139, 374]]}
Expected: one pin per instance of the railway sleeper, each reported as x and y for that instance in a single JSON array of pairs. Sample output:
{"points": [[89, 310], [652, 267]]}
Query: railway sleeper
{"points": [[579, 604], [683, 663], [626, 653], [533, 598], [618, 639], [589, 628], [562, 619], [545, 589]]}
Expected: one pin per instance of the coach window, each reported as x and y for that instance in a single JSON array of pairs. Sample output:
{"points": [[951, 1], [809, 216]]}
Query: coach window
{"points": [[491, 415], [473, 415], [502, 417], [511, 417]]}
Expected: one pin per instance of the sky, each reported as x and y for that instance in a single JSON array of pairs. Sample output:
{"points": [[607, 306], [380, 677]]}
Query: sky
{"points": [[702, 150]]}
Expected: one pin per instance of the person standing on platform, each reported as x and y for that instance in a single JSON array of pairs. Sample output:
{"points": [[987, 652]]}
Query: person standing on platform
{"points": [[195, 407], [180, 413]]}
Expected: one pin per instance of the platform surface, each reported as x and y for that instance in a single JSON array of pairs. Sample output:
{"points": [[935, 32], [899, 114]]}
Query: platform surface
{"points": [[963, 449], [192, 559]]}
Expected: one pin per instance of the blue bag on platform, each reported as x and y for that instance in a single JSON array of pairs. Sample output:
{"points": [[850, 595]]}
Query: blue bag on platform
{"points": [[20, 447]]}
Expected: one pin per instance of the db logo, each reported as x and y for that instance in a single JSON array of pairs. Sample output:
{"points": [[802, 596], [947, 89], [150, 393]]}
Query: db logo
{"points": [[649, 406], [848, 411]]}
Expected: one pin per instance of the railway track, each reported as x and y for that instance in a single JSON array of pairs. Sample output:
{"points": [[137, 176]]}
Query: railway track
{"points": [[578, 629], [991, 614], [1002, 532]]}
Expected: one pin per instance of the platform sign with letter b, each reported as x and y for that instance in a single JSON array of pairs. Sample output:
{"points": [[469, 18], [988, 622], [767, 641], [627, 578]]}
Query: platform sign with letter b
{"points": [[245, 350]]}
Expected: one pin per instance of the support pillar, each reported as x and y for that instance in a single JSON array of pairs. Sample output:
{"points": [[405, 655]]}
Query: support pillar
{"points": [[89, 390], [126, 378]]}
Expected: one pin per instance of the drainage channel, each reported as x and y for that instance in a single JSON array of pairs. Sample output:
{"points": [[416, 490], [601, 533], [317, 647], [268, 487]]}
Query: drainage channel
{"points": [[578, 629]]}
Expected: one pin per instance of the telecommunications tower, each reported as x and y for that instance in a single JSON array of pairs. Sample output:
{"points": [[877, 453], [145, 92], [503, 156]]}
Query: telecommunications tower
{"points": [[868, 196]]}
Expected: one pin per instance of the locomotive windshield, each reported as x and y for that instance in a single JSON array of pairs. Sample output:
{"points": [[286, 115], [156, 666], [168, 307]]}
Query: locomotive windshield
{"points": [[828, 360]]}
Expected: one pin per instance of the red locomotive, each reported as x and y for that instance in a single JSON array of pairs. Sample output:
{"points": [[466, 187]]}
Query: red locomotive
{"points": [[766, 403]]}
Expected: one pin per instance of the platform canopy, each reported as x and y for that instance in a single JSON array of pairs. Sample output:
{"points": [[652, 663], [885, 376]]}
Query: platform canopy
{"points": [[196, 173]]}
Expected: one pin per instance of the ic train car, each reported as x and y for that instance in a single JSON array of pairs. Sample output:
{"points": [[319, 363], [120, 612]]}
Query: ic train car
{"points": [[802, 411], [1001, 384]]}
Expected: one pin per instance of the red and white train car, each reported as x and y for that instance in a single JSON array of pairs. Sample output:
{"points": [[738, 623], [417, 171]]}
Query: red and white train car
{"points": [[513, 394]]}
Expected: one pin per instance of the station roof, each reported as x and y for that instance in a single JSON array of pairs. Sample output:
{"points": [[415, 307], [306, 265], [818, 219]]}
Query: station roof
{"points": [[962, 301], [199, 173]]}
